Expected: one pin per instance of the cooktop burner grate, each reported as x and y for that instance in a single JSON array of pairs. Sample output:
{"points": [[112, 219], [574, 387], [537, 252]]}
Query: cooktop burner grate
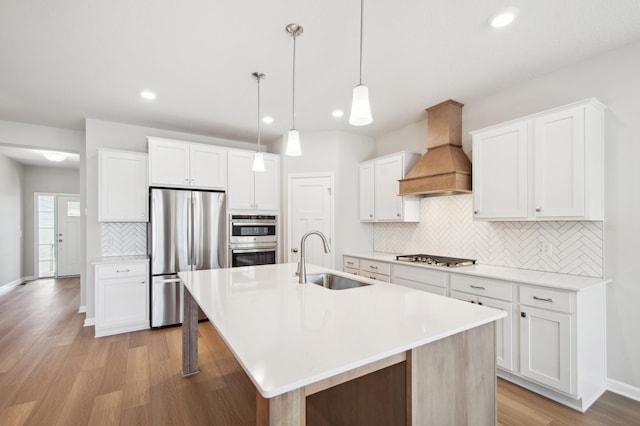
{"points": [[450, 262]]}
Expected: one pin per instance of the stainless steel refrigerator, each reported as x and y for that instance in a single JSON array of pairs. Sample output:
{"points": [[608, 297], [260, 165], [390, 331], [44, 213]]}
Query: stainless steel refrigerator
{"points": [[187, 233]]}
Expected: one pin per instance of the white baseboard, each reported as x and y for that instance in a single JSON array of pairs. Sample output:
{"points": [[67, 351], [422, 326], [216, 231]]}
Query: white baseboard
{"points": [[82, 309], [29, 278], [89, 322], [6, 287], [623, 389]]}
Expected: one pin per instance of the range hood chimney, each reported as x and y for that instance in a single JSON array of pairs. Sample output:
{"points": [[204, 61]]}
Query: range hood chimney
{"points": [[444, 169]]}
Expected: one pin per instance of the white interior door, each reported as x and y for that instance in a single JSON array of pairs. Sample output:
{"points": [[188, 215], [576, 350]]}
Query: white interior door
{"points": [[68, 235], [311, 210]]}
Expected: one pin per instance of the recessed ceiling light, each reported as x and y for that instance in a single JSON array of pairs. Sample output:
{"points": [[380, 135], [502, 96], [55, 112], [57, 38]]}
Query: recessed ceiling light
{"points": [[148, 95], [337, 113], [56, 157], [504, 18], [267, 119]]}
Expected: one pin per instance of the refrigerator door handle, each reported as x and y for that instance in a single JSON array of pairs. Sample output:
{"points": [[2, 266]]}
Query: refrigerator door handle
{"points": [[172, 280], [189, 234]]}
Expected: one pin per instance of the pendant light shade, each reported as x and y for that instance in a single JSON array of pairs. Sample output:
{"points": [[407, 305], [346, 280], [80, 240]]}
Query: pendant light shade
{"points": [[293, 137], [293, 144], [258, 158], [360, 107]]}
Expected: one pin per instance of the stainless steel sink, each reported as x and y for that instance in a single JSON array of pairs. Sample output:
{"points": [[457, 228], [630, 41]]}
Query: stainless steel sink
{"points": [[334, 282]]}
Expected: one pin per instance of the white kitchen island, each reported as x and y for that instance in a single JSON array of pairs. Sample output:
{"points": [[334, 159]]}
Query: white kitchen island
{"points": [[296, 341]]}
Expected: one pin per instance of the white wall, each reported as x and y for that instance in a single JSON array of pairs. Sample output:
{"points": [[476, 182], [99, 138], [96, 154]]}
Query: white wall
{"points": [[338, 153], [42, 179], [11, 262], [105, 134], [614, 79], [412, 137]]}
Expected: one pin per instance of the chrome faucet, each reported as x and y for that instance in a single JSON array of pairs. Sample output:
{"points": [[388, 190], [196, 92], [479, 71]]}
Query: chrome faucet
{"points": [[302, 265]]}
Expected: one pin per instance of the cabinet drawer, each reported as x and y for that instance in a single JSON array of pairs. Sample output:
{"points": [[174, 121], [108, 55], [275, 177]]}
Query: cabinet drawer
{"points": [[353, 271], [373, 266], [420, 275], [546, 298], [482, 286], [351, 262], [434, 289], [375, 276], [121, 270]]}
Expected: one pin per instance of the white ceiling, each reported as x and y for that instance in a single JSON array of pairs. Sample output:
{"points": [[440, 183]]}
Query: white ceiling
{"points": [[62, 61]]}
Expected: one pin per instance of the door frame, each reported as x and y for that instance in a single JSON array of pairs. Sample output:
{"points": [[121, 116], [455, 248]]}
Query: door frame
{"points": [[36, 227], [332, 187]]}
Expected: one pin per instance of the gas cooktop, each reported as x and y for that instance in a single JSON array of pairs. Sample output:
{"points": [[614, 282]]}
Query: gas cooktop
{"points": [[429, 259]]}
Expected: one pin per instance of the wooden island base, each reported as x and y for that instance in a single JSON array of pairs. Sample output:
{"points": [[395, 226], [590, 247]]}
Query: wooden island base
{"points": [[450, 381]]}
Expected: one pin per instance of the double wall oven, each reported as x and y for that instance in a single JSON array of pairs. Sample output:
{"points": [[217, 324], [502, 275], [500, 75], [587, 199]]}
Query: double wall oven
{"points": [[253, 240]]}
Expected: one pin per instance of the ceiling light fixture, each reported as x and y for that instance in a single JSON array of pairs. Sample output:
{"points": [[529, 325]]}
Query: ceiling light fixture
{"points": [[267, 119], [293, 137], [258, 158], [56, 157], [504, 18], [360, 107], [148, 95], [337, 113]]}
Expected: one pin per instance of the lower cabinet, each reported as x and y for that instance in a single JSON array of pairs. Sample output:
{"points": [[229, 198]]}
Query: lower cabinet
{"points": [[122, 297], [419, 278]]}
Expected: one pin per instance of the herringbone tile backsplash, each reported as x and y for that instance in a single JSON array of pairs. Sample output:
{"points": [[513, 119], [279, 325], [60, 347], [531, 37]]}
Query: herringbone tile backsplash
{"points": [[123, 239], [447, 228]]}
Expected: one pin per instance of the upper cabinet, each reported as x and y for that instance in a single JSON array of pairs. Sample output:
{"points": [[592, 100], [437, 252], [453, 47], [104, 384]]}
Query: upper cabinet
{"points": [[379, 199], [547, 166], [122, 186], [183, 164], [249, 190]]}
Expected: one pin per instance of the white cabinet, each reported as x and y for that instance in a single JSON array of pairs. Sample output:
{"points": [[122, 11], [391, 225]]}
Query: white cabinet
{"points": [[495, 294], [547, 166], [367, 192], [420, 278], [379, 187], [375, 270], [122, 186], [122, 297], [249, 190], [183, 164]]}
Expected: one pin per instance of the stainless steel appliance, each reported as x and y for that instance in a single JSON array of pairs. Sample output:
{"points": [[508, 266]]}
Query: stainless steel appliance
{"points": [[429, 259], [187, 233], [253, 240]]}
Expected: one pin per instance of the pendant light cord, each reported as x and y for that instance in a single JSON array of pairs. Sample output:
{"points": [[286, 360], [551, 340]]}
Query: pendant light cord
{"points": [[361, 31], [293, 86], [259, 114]]}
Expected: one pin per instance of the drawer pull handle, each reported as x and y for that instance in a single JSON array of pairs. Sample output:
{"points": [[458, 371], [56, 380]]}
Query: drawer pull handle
{"points": [[373, 267], [542, 299], [349, 263], [479, 287], [123, 270]]}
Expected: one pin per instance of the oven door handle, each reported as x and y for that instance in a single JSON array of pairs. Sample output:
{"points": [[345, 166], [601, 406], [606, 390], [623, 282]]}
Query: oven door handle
{"points": [[257, 250], [254, 223]]}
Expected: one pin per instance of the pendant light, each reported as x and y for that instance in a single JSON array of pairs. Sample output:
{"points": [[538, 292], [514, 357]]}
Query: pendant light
{"points": [[258, 158], [360, 108], [293, 137]]}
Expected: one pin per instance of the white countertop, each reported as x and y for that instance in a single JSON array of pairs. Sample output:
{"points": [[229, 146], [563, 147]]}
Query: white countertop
{"points": [[287, 335], [120, 259], [522, 276]]}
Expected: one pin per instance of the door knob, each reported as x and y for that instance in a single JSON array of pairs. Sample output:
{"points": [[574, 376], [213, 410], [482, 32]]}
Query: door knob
{"points": [[294, 250]]}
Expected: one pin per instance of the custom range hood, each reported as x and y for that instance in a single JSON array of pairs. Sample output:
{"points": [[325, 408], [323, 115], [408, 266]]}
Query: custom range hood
{"points": [[444, 169]]}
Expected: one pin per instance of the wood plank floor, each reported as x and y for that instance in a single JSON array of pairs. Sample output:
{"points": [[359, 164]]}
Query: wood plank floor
{"points": [[54, 372]]}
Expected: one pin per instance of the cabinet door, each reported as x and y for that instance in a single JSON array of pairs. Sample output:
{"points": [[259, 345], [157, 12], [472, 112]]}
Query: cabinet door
{"points": [[366, 184], [122, 187], [240, 181], [545, 347], [168, 163], [266, 184], [559, 164], [122, 302], [208, 167], [500, 173], [504, 332], [387, 202]]}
